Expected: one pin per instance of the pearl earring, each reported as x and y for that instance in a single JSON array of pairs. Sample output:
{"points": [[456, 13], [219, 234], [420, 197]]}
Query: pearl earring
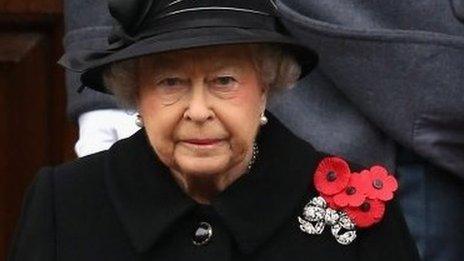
{"points": [[263, 119], [139, 121]]}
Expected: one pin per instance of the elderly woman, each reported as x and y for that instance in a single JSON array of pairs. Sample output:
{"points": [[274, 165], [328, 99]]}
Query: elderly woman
{"points": [[211, 175]]}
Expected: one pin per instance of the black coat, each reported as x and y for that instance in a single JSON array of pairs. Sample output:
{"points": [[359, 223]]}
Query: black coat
{"points": [[122, 204]]}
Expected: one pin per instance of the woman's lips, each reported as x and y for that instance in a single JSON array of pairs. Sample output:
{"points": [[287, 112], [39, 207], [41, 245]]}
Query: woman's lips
{"points": [[203, 141]]}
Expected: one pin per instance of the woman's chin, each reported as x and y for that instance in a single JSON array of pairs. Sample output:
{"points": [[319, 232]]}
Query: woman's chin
{"points": [[203, 166]]}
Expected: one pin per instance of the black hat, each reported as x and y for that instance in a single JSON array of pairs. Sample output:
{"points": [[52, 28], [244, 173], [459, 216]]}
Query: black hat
{"points": [[143, 27]]}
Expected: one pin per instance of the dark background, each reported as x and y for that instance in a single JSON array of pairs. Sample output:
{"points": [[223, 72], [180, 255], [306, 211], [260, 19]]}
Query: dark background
{"points": [[34, 130]]}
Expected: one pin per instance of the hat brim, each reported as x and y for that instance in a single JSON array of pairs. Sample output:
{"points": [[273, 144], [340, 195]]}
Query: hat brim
{"points": [[92, 63]]}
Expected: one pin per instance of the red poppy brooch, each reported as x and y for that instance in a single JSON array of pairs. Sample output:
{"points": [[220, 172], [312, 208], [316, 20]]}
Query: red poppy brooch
{"points": [[347, 199]]}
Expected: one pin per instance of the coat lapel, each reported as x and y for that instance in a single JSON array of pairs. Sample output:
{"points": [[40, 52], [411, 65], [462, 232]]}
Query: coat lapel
{"points": [[267, 198], [144, 196]]}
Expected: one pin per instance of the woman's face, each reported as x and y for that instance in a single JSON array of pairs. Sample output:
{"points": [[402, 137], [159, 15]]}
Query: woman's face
{"points": [[201, 108]]}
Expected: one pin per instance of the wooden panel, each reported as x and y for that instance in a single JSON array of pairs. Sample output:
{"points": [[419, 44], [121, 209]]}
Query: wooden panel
{"points": [[24, 145], [34, 129], [15, 47], [31, 6]]}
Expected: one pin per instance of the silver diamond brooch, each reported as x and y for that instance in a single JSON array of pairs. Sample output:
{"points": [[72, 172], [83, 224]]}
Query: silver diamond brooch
{"points": [[317, 215]]}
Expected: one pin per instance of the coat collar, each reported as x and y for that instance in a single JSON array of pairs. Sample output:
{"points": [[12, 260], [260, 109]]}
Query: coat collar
{"points": [[148, 201]]}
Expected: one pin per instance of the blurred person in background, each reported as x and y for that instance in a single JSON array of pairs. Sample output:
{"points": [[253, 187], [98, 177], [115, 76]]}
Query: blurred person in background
{"points": [[100, 119], [389, 88]]}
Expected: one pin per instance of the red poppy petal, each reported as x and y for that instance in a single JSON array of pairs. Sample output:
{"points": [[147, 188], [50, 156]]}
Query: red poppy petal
{"points": [[352, 196], [388, 184], [332, 175], [363, 218], [365, 174], [358, 178], [357, 201], [373, 194], [385, 195], [341, 199], [360, 182], [392, 183], [379, 171], [378, 209]]}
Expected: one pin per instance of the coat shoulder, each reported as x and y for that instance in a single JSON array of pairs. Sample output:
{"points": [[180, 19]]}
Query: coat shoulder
{"points": [[86, 166], [52, 186], [80, 184]]}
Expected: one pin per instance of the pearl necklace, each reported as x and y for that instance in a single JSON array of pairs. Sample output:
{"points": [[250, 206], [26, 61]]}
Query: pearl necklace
{"points": [[253, 156]]}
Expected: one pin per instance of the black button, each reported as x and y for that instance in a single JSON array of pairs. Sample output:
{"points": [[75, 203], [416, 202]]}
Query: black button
{"points": [[203, 234]]}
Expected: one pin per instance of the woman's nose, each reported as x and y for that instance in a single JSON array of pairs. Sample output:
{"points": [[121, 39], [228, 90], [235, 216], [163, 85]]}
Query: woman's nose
{"points": [[199, 109]]}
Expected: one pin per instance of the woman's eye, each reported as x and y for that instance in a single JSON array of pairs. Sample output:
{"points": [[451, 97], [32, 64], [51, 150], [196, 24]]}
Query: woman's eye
{"points": [[170, 82], [225, 80]]}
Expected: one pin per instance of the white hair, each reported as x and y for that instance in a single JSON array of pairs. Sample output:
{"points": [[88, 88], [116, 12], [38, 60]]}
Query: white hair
{"points": [[278, 69]]}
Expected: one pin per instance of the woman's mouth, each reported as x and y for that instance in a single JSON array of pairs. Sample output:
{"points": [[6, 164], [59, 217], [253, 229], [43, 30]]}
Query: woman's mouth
{"points": [[203, 143]]}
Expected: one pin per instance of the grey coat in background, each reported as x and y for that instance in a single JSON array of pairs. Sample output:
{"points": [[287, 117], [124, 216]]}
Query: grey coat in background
{"points": [[389, 89], [400, 62], [88, 24]]}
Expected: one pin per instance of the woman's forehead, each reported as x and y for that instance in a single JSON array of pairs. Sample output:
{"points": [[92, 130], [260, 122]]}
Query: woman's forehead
{"points": [[213, 56]]}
